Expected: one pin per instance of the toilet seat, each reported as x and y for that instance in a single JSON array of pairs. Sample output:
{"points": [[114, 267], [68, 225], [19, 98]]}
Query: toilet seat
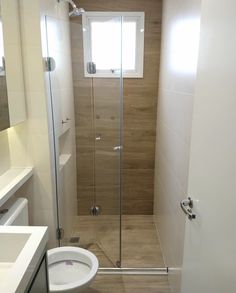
{"points": [[71, 269]]}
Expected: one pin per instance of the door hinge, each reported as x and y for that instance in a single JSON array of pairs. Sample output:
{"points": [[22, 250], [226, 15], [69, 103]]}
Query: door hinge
{"points": [[60, 233], [3, 67], [49, 64], [91, 68]]}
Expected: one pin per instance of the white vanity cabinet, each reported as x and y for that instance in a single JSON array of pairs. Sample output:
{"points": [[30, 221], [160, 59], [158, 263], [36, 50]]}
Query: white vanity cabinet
{"points": [[23, 262], [40, 281]]}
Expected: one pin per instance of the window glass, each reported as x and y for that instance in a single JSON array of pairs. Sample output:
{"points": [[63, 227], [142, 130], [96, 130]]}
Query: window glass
{"points": [[105, 44], [129, 45], [103, 40]]}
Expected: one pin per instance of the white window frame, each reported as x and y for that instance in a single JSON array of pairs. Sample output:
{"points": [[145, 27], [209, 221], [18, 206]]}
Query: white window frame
{"points": [[125, 16]]}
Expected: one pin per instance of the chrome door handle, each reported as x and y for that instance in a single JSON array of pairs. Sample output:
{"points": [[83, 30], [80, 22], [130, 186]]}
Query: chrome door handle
{"points": [[186, 206], [98, 137], [117, 148]]}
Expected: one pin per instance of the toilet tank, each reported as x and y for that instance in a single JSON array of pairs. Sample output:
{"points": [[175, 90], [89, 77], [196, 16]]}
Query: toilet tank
{"points": [[15, 213]]}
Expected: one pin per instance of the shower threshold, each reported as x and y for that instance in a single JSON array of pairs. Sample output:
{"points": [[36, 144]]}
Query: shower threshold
{"points": [[133, 271]]}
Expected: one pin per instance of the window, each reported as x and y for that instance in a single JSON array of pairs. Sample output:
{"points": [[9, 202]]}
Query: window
{"points": [[112, 39]]}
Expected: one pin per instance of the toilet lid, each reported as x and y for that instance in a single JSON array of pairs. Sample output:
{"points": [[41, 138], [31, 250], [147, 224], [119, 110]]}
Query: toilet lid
{"points": [[67, 271]]}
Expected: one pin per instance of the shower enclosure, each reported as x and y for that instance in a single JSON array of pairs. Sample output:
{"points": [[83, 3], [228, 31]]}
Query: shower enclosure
{"points": [[88, 143]]}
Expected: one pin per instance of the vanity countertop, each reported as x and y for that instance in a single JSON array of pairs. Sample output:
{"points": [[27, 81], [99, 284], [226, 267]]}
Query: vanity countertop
{"points": [[12, 180], [21, 249]]}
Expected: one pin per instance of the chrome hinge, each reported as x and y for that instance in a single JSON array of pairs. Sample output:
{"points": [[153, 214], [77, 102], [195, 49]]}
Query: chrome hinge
{"points": [[60, 233], [3, 67], [49, 64], [91, 68]]}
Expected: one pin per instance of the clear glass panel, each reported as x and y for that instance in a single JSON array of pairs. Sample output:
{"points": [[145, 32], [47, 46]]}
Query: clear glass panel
{"points": [[60, 84], [129, 45], [107, 164], [101, 192], [91, 218]]}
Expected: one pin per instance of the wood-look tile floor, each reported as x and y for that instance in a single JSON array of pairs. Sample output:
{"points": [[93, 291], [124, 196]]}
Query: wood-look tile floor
{"points": [[140, 243], [129, 284]]}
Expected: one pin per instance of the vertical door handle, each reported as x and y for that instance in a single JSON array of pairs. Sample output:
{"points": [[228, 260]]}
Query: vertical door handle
{"points": [[117, 148], [186, 206]]}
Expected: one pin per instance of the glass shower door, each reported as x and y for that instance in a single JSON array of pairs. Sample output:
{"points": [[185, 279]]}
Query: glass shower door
{"points": [[60, 87], [107, 167], [87, 175], [100, 194]]}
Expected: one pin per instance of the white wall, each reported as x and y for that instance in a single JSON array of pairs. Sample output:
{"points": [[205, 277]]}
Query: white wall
{"points": [[29, 143], [40, 131], [5, 158], [180, 34], [60, 92], [210, 240]]}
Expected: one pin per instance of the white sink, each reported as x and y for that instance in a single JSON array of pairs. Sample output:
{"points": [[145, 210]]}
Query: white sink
{"points": [[11, 246], [21, 249]]}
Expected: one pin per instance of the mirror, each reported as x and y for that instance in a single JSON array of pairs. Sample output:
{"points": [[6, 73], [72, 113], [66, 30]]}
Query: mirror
{"points": [[12, 92]]}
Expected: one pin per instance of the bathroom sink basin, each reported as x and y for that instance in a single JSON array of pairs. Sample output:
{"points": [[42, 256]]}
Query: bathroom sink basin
{"points": [[11, 246], [21, 249]]}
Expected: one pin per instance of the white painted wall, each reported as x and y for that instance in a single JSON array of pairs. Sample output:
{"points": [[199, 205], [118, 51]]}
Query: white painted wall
{"points": [[5, 158], [210, 241], [180, 33], [29, 143], [43, 205], [56, 44]]}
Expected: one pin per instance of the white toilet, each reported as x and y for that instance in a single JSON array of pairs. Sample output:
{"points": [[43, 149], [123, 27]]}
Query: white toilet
{"points": [[71, 269]]}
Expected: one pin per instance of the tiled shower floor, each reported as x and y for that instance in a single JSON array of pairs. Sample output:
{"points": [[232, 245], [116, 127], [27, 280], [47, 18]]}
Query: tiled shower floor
{"points": [[140, 243]]}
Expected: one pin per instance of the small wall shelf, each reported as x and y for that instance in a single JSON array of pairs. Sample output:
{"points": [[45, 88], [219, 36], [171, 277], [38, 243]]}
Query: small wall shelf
{"points": [[12, 180]]}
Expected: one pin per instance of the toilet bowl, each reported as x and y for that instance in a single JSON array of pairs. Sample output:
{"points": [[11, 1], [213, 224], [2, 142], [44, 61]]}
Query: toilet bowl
{"points": [[71, 269]]}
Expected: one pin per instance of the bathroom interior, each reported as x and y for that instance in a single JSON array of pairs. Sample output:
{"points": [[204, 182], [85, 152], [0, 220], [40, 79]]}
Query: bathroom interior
{"points": [[102, 105]]}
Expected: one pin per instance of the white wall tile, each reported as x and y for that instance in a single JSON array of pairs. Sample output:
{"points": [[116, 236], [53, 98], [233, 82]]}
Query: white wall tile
{"points": [[180, 33]]}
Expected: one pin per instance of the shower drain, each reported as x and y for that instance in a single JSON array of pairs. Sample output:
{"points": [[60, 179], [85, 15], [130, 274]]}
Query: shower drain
{"points": [[95, 210]]}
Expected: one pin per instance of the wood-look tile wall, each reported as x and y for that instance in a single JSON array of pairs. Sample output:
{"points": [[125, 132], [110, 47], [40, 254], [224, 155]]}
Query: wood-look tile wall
{"points": [[140, 100]]}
